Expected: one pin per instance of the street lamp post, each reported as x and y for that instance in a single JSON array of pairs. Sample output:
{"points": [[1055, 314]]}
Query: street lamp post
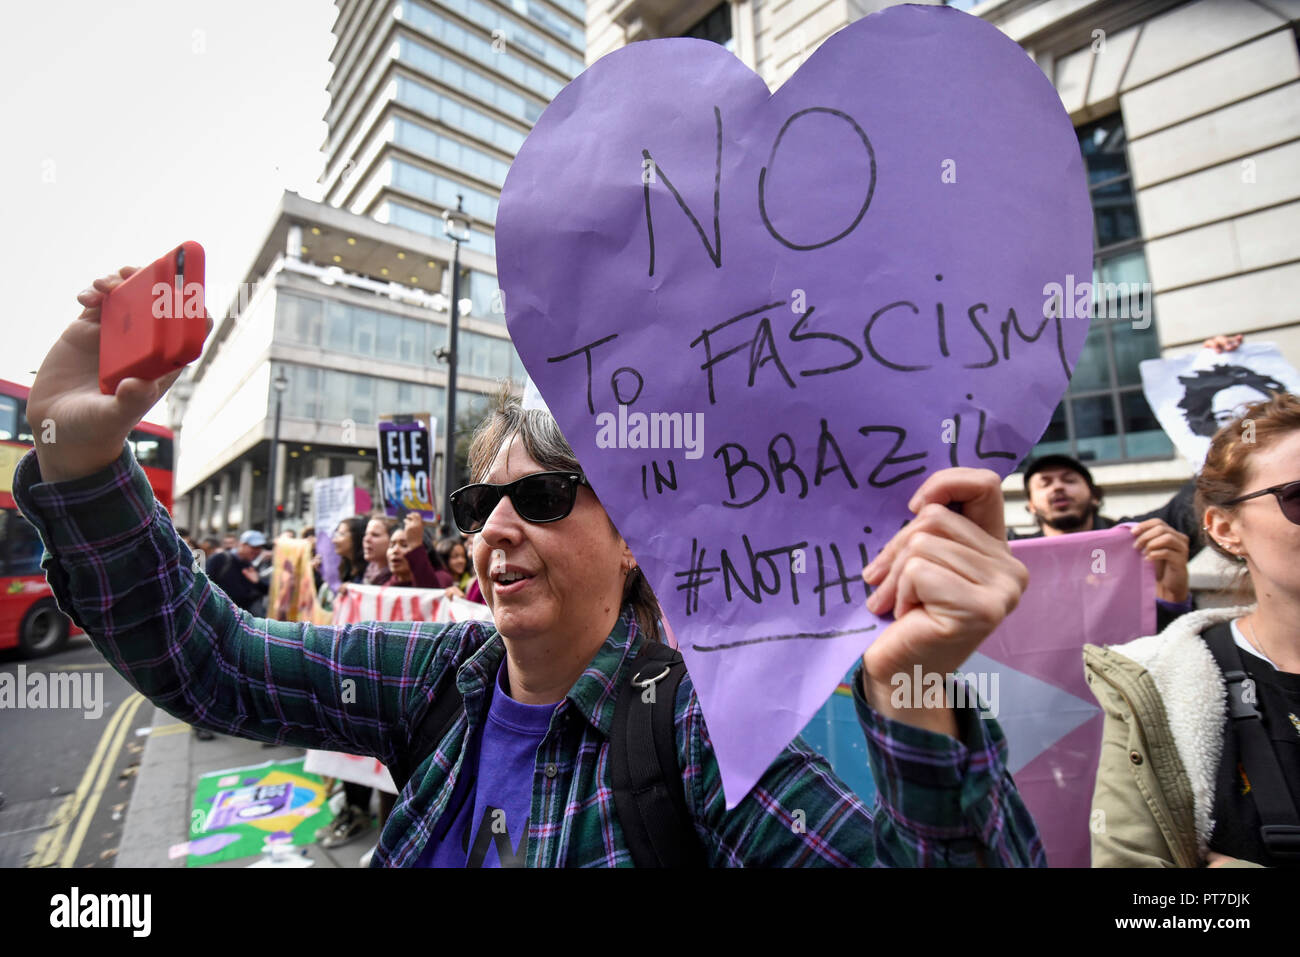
{"points": [[281, 383], [456, 226]]}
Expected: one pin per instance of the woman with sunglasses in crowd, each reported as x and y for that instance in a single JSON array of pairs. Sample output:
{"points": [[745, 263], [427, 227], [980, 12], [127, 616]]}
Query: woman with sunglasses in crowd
{"points": [[570, 611], [1200, 760]]}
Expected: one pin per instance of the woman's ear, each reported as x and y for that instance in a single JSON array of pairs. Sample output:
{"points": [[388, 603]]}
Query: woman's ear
{"points": [[1222, 528], [627, 561]]}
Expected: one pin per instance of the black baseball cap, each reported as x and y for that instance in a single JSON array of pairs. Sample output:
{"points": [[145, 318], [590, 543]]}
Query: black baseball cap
{"points": [[1058, 462]]}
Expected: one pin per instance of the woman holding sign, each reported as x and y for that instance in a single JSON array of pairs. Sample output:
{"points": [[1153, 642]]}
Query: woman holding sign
{"points": [[1200, 756], [523, 773]]}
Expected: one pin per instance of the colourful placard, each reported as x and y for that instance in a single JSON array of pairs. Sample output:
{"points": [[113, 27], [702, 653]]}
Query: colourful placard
{"points": [[237, 811], [406, 465]]}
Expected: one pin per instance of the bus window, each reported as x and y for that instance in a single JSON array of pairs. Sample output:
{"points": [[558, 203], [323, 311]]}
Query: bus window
{"points": [[8, 418], [151, 451], [24, 427], [145, 451], [20, 546]]}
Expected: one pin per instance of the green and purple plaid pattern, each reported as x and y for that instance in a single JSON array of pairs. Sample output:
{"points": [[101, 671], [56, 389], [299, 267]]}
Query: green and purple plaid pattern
{"points": [[120, 571]]}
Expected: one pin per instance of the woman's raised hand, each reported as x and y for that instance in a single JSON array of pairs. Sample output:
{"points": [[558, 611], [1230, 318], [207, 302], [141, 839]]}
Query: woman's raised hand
{"points": [[1223, 343], [949, 578], [414, 526], [78, 429]]}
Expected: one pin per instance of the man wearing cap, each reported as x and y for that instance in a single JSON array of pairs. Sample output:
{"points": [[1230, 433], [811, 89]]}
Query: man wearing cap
{"points": [[1063, 499], [236, 575]]}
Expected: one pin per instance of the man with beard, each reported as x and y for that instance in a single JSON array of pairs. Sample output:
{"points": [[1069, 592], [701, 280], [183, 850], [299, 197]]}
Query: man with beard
{"points": [[1063, 499]]}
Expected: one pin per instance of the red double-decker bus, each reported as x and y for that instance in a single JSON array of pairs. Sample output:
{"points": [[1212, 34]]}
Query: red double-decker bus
{"points": [[29, 618]]}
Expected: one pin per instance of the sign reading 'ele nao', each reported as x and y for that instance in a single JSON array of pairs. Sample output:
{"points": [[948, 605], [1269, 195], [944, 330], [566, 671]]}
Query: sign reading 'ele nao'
{"points": [[406, 444]]}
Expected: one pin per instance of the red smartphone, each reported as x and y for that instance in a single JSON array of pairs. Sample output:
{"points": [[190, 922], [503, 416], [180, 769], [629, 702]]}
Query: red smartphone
{"points": [[154, 322]]}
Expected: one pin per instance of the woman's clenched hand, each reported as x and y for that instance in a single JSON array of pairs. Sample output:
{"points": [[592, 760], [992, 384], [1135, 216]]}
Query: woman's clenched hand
{"points": [[949, 579]]}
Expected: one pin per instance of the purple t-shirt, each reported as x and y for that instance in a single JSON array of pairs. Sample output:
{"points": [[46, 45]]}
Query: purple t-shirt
{"points": [[495, 790]]}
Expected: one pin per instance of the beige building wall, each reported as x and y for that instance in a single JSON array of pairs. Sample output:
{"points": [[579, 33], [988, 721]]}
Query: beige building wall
{"points": [[1210, 95]]}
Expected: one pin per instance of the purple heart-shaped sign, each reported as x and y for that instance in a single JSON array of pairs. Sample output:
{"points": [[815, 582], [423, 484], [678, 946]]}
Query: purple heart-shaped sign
{"points": [[761, 319]]}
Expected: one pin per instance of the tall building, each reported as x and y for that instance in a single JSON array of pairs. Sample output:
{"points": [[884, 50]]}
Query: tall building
{"points": [[347, 299], [430, 99], [1188, 117], [771, 37]]}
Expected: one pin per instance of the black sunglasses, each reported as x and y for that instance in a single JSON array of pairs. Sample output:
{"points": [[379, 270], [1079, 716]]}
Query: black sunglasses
{"points": [[538, 498], [1288, 499]]}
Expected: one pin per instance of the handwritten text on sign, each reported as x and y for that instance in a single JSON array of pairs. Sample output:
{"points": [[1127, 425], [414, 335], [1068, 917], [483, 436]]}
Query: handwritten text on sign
{"points": [[762, 319]]}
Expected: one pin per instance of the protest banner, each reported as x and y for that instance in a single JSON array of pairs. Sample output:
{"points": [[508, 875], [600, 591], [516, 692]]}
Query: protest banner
{"points": [[332, 500], [1033, 663], [406, 444], [1193, 395], [293, 586], [392, 603], [353, 768], [357, 603], [1029, 676], [762, 319]]}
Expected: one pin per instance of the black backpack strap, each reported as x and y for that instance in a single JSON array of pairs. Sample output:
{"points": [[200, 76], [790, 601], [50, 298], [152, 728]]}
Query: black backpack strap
{"points": [[1281, 824], [448, 704], [649, 794]]}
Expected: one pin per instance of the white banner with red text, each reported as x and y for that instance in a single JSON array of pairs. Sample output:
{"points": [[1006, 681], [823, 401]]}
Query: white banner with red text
{"points": [[358, 603]]}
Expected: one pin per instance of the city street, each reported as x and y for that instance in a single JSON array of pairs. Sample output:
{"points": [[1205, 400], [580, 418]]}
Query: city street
{"points": [[67, 779]]}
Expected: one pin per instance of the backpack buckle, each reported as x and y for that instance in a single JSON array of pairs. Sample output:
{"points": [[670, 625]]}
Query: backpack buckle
{"points": [[649, 681], [1282, 840], [648, 685], [1242, 695]]}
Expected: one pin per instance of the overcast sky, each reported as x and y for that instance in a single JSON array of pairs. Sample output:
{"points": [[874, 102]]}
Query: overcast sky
{"points": [[134, 125]]}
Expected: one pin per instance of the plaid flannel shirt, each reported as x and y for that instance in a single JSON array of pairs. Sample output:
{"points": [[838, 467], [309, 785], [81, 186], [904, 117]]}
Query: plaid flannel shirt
{"points": [[121, 572]]}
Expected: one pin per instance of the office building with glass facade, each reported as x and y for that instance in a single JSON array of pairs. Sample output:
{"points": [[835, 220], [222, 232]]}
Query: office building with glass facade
{"points": [[430, 100]]}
